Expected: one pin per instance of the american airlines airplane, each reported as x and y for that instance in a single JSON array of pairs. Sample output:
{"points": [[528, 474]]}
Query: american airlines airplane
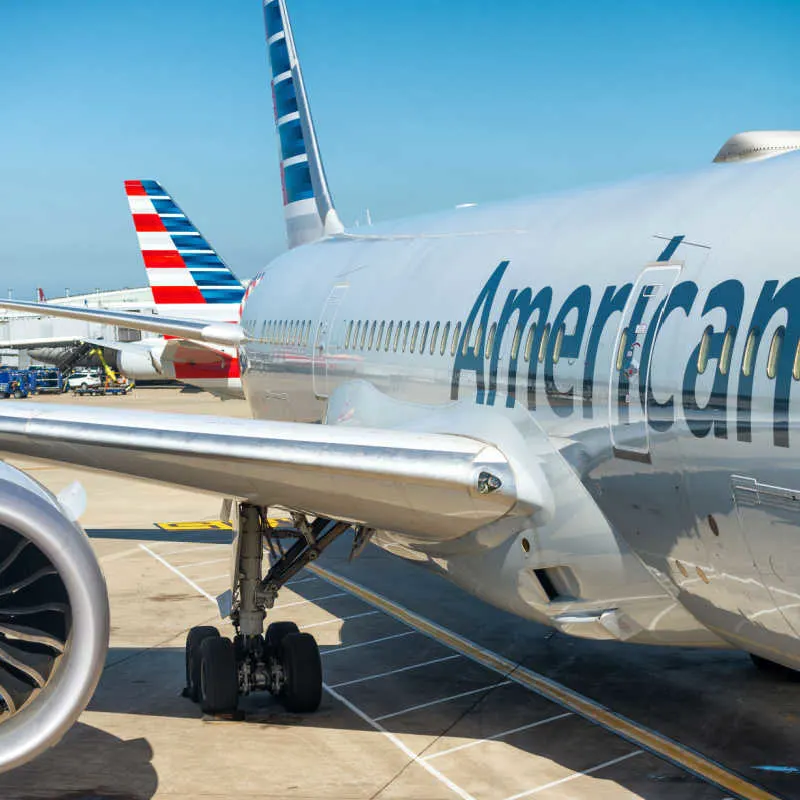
{"points": [[187, 279], [579, 408]]}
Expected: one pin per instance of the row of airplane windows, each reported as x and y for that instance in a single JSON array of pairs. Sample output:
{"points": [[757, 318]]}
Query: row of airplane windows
{"points": [[430, 337]]}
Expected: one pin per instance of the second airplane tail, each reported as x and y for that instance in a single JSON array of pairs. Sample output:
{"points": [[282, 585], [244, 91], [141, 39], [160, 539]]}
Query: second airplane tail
{"points": [[187, 277]]}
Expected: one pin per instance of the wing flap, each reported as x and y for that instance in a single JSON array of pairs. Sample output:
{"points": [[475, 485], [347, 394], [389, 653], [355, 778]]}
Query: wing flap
{"points": [[221, 333], [432, 486]]}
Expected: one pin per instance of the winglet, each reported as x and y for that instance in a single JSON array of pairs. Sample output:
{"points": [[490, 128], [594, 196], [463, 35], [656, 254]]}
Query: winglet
{"points": [[307, 203]]}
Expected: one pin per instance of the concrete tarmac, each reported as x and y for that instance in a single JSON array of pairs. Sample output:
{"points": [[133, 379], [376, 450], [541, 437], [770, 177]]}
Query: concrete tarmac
{"points": [[403, 715]]}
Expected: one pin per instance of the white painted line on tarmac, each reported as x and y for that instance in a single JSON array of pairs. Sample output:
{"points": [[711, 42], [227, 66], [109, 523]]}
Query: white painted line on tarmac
{"points": [[169, 566], [302, 580], [312, 600], [454, 787], [575, 775], [333, 650], [192, 549], [443, 700], [203, 563], [495, 736], [119, 554], [339, 619], [395, 671], [214, 577]]}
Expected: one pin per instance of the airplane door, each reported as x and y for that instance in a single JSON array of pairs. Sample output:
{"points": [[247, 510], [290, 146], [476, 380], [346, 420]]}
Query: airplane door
{"points": [[325, 344], [632, 354]]}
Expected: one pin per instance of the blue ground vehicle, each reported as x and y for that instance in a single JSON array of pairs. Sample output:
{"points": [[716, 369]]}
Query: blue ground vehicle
{"points": [[13, 382], [43, 380]]}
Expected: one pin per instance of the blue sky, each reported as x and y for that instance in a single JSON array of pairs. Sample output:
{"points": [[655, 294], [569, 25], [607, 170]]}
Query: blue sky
{"points": [[419, 105]]}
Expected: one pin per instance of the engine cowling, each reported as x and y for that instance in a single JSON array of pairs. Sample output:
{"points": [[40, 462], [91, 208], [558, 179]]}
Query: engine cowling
{"points": [[54, 619]]}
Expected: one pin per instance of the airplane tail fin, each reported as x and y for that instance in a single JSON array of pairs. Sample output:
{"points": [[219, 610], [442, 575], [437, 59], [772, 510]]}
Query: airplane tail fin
{"points": [[307, 203], [184, 270]]}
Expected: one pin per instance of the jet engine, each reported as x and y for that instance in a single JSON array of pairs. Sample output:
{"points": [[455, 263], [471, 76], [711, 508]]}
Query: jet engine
{"points": [[54, 619]]}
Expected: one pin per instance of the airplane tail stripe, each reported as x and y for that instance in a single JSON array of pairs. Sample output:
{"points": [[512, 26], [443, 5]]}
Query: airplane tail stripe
{"points": [[147, 223], [171, 295], [155, 259], [133, 188]]}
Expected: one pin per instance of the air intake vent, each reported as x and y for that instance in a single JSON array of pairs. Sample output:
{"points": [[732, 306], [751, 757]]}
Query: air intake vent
{"points": [[558, 583]]}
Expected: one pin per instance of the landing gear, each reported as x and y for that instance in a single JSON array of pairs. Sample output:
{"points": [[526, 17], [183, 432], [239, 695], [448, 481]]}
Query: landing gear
{"points": [[283, 660]]}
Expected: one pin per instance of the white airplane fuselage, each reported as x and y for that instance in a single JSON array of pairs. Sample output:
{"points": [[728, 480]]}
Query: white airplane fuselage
{"points": [[661, 400]]}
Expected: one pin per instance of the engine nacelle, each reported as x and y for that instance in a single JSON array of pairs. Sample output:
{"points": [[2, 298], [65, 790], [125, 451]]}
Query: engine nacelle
{"points": [[54, 619], [140, 362]]}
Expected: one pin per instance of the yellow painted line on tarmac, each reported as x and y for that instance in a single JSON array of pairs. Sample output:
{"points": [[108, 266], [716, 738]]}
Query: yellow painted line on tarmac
{"points": [[204, 525], [644, 737]]}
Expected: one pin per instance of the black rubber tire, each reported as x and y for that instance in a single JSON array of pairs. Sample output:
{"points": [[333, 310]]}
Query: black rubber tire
{"points": [[18, 395], [277, 632], [774, 669], [219, 678], [84, 386], [302, 670], [194, 639]]}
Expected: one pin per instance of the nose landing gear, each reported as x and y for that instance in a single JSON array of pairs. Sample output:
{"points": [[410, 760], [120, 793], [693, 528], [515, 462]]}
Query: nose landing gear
{"points": [[282, 661]]}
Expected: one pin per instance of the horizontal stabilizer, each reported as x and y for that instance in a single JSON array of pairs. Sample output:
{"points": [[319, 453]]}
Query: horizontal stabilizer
{"points": [[434, 487], [221, 333]]}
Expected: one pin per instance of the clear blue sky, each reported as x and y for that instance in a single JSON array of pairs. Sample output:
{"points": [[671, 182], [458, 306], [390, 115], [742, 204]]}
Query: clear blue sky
{"points": [[419, 105]]}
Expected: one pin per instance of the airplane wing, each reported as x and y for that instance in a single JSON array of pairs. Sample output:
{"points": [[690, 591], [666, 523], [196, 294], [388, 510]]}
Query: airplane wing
{"points": [[432, 486], [222, 333]]}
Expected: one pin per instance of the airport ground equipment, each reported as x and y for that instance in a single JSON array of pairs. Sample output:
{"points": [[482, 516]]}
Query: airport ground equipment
{"points": [[13, 383], [43, 380], [54, 619], [280, 660]]}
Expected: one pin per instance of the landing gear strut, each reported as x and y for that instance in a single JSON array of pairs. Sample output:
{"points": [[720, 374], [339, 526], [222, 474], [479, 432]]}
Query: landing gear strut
{"points": [[282, 660]]}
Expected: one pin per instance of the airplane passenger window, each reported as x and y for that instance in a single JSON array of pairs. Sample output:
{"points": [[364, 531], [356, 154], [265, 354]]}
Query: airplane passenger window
{"points": [[424, 338], [558, 343], [389, 337], [405, 335], [445, 334], [725, 355], [476, 348], [456, 335], [621, 349], [414, 337], [796, 367], [397, 335], [372, 335], [490, 340], [347, 335], [467, 334], [702, 355], [775, 352], [543, 346], [515, 343], [749, 352], [380, 335], [529, 341], [364, 334], [434, 337]]}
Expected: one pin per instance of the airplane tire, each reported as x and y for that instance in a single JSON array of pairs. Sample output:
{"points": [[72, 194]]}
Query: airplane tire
{"points": [[219, 678], [194, 639], [277, 632], [302, 669]]}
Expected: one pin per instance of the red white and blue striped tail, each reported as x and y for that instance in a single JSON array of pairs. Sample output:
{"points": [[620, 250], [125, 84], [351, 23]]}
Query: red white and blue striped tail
{"points": [[184, 270]]}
